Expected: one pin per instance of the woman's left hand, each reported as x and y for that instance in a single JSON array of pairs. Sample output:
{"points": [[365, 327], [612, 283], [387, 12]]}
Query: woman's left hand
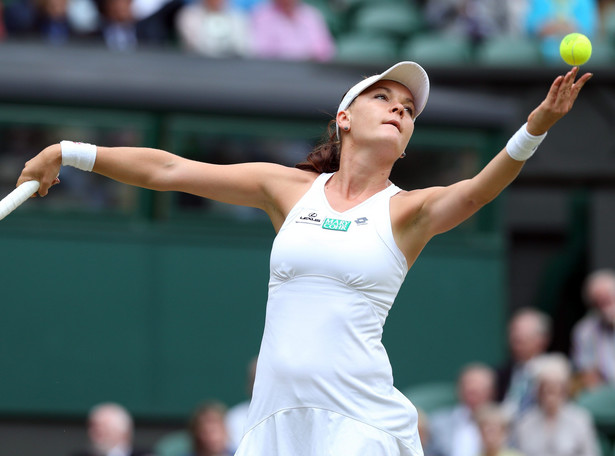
{"points": [[559, 101]]}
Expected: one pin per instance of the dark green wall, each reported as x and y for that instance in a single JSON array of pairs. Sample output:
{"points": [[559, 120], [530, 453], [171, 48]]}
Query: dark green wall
{"points": [[161, 317]]}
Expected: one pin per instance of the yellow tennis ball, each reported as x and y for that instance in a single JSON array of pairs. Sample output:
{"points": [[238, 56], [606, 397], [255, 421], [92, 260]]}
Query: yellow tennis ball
{"points": [[575, 49]]}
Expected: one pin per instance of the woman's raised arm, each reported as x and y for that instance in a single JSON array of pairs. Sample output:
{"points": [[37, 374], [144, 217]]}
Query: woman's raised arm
{"points": [[446, 207]]}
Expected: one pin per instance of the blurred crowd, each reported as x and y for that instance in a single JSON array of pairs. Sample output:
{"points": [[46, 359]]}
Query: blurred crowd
{"points": [[288, 29], [525, 407]]}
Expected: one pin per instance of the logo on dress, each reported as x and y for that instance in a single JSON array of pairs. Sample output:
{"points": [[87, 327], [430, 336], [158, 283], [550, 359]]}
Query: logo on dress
{"points": [[361, 221], [311, 217], [336, 225]]}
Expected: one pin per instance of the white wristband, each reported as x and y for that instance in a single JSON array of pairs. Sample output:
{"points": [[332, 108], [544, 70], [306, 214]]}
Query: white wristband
{"points": [[522, 145], [79, 155]]}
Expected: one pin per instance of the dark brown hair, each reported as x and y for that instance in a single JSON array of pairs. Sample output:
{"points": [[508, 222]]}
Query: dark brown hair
{"points": [[325, 157]]}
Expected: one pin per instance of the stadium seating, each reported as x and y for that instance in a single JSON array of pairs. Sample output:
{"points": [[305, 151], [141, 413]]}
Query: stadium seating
{"points": [[603, 52], [336, 20], [608, 22], [397, 19], [508, 51], [358, 47], [174, 444], [430, 397], [433, 48], [601, 404]]}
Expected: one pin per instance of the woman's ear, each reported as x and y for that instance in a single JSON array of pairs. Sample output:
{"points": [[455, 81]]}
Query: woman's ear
{"points": [[343, 120]]}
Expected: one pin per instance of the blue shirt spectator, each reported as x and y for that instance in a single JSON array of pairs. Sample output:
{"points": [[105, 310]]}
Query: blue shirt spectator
{"points": [[551, 20], [245, 5]]}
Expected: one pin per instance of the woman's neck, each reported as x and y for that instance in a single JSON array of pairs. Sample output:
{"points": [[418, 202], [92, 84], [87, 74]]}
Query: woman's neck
{"points": [[356, 182]]}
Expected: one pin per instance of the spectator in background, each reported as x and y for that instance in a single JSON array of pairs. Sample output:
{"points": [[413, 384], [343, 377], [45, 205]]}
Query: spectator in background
{"points": [[425, 433], [208, 430], [212, 28], [454, 431], [292, 30], [555, 426], [110, 432], [83, 16], [52, 21], [237, 415], [474, 19], [516, 17], [2, 29], [551, 20], [121, 31], [593, 337], [245, 5], [529, 334], [18, 16], [606, 10], [493, 426], [41, 19]]}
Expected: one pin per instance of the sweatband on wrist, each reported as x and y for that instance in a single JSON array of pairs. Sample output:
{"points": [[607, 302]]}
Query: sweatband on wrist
{"points": [[522, 144], [78, 155]]}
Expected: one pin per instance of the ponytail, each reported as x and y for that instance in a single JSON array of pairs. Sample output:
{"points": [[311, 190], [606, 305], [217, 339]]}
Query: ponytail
{"points": [[325, 157]]}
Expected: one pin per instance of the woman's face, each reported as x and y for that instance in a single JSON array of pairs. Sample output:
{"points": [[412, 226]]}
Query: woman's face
{"points": [[552, 394], [383, 113], [493, 434]]}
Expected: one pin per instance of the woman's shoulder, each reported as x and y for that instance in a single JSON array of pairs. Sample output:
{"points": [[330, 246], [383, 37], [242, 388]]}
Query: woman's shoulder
{"points": [[293, 174], [413, 198]]}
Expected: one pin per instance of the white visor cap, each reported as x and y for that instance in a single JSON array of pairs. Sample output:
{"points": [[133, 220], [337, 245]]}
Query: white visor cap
{"points": [[410, 74]]}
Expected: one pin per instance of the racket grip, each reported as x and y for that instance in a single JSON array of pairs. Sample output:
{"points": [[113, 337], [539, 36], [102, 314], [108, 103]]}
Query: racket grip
{"points": [[17, 197]]}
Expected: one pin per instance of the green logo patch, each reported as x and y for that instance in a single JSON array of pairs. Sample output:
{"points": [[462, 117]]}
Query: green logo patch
{"points": [[336, 225]]}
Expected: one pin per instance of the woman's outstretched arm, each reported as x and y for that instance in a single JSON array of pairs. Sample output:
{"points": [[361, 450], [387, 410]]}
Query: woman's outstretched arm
{"points": [[444, 208], [262, 185]]}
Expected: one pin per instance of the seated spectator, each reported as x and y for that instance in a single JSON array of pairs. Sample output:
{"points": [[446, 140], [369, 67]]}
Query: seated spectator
{"points": [[606, 10], [211, 28], [245, 5], [516, 15], [46, 19], [474, 19], [208, 431], [142, 9], [121, 31], [292, 30], [555, 426], [424, 433], [52, 21], [19, 18], [493, 426], [593, 337], [2, 29], [83, 16], [454, 431], [551, 20], [529, 334], [110, 432]]}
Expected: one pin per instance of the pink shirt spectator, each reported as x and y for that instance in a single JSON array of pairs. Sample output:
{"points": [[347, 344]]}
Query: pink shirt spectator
{"points": [[2, 30], [290, 29]]}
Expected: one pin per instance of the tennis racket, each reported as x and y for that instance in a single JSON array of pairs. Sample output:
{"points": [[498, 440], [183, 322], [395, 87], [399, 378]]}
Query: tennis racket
{"points": [[14, 199]]}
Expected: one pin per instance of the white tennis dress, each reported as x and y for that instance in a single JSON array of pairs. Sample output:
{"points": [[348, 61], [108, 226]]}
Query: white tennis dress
{"points": [[324, 384]]}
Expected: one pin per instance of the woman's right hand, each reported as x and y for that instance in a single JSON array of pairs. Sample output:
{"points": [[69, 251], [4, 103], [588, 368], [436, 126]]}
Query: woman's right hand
{"points": [[44, 168]]}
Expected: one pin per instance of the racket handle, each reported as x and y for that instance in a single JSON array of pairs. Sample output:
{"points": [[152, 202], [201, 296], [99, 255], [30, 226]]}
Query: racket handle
{"points": [[14, 199]]}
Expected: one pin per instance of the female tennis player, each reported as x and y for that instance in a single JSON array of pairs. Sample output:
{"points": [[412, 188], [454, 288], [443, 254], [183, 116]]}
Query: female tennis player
{"points": [[346, 237]]}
